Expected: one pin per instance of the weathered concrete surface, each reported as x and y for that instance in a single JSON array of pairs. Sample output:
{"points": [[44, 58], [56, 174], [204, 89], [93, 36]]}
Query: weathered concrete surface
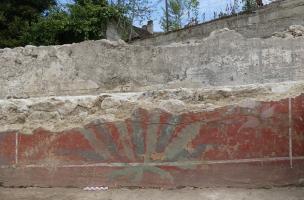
{"points": [[224, 58], [240, 141], [154, 194], [275, 17]]}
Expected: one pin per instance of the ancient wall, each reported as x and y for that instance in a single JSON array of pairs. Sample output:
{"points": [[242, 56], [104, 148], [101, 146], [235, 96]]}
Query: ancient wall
{"points": [[263, 22], [224, 58], [222, 111], [246, 136]]}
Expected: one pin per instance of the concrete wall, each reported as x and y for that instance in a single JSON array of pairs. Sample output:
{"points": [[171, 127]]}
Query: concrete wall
{"points": [[224, 58], [277, 16]]}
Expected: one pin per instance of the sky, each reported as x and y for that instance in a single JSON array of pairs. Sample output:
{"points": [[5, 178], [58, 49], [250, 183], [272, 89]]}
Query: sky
{"points": [[206, 8]]}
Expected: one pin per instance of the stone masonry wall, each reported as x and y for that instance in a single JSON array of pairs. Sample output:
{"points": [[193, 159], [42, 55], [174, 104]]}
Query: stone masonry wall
{"points": [[224, 58], [262, 23], [237, 137], [220, 111]]}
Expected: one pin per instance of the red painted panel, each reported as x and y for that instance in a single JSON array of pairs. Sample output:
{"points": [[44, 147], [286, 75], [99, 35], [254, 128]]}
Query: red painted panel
{"points": [[226, 133], [149, 137], [298, 125], [259, 174], [244, 133], [7, 148], [34, 147], [45, 148]]}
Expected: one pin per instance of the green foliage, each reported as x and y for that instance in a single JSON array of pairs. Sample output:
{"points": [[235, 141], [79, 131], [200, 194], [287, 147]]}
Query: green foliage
{"points": [[249, 5], [136, 11], [180, 12], [52, 24], [16, 18], [95, 2], [89, 21], [192, 10], [175, 13], [50, 29]]}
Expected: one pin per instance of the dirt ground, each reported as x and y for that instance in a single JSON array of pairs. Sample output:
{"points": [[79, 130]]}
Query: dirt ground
{"points": [[151, 194]]}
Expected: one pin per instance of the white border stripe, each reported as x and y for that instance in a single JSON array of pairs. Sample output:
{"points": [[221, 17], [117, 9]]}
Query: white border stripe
{"points": [[184, 163]]}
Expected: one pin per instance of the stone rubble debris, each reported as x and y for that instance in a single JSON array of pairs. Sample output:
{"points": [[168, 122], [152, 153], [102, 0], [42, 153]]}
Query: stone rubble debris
{"points": [[67, 112], [174, 89], [293, 31]]}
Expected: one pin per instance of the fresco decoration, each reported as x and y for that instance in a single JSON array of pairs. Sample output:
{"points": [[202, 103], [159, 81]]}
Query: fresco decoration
{"points": [[157, 146]]}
